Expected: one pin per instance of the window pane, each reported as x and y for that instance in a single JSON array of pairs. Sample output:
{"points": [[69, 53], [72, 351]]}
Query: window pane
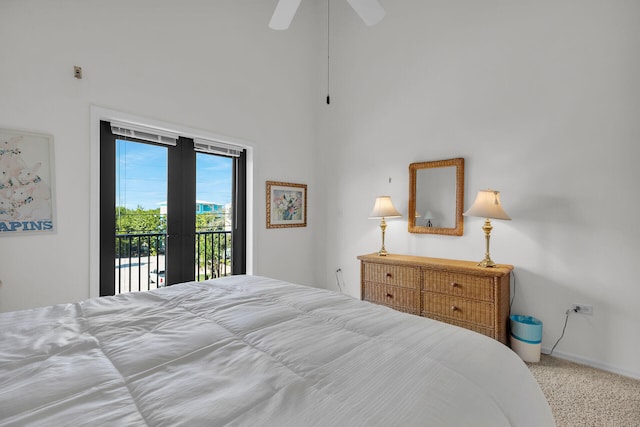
{"points": [[213, 216], [141, 208]]}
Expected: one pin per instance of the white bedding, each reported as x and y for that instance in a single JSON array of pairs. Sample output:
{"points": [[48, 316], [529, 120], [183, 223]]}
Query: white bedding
{"points": [[248, 350]]}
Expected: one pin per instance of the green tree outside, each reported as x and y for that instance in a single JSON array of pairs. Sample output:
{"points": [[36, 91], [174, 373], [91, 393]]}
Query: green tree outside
{"points": [[139, 221]]}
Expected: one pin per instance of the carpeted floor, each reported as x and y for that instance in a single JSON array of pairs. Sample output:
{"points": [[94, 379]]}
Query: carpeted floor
{"points": [[583, 396]]}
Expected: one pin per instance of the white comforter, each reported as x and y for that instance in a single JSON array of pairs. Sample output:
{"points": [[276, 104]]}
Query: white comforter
{"points": [[247, 350]]}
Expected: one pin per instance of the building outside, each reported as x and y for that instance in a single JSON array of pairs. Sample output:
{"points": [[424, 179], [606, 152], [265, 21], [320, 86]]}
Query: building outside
{"points": [[204, 207]]}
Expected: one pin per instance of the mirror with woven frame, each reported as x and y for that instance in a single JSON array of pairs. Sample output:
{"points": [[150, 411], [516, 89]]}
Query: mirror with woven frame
{"points": [[436, 197]]}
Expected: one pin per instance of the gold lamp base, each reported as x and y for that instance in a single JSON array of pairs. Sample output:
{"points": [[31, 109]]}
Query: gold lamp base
{"points": [[383, 227], [487, 262]]}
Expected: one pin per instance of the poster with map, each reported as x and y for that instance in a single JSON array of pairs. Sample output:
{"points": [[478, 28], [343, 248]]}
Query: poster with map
{"points": [[26, 183]]}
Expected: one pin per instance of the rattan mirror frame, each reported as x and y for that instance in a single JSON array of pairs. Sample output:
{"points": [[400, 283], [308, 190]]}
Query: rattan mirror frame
{"points": [[458, 229]]}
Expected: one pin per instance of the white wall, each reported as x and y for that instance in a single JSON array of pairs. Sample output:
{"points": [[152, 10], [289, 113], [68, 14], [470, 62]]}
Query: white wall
{"points": [[212, 65], [542, 100]]}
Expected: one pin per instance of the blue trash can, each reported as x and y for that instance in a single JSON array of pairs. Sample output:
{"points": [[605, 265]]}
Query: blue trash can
{"points": [[526, 337]]}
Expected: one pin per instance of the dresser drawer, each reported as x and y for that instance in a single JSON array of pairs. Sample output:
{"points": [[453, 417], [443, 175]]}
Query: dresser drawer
{"points": [[408, 277], [466, 310], [458, 284], [403, 299]]}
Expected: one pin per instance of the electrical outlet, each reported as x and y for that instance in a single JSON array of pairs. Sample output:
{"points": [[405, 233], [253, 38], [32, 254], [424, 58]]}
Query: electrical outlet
{"points": [[582, 308]]}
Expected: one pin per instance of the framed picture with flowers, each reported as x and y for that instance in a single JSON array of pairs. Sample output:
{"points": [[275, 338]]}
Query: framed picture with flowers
{"points": [[286, 205]]}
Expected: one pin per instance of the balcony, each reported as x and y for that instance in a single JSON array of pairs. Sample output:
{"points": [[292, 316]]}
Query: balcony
{"points": [[140, 259]]}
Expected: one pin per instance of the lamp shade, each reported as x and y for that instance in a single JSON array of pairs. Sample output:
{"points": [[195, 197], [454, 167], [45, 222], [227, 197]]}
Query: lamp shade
{"points": [[428, 215], [383, 208], [487, 205]]}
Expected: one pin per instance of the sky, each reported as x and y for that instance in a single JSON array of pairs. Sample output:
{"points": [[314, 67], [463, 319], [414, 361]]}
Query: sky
{"points": [[141, 176]]}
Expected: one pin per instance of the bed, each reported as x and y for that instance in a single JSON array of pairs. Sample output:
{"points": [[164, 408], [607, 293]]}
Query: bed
{"points": [[250, 350]]}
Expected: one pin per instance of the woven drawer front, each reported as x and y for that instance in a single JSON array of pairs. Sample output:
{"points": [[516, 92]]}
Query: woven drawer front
{"points": [[392, 275], [477, 328], [462, 309], [463, 285], [403, 299]]}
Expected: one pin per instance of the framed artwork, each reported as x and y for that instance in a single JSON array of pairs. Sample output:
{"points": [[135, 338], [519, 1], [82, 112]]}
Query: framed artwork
{"points": [[26, 183], [286, 205]]}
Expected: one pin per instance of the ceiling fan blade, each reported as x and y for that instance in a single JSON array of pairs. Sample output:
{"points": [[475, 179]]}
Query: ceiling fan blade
{"points": [[284, 13], [369, 10]]}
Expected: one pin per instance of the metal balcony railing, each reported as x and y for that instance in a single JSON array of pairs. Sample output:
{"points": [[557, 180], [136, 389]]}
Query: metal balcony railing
{"points": [[213, 254], [140, 259]]}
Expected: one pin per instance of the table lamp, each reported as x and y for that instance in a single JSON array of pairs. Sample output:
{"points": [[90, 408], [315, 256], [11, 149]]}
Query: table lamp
{"points": [[487, 205], [383, 208]]}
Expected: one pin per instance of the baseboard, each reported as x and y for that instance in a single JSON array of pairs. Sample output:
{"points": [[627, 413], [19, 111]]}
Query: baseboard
{"points": [[598, 365]]}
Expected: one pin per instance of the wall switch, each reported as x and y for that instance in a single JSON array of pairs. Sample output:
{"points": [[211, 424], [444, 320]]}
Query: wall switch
{"points": [[582, 308]]}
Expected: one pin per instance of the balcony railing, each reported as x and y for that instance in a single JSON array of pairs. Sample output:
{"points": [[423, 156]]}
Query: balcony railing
{"points": [[140, 259], [213, 254]]}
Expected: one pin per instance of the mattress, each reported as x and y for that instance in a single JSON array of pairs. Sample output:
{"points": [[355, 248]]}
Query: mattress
{"points": [[250, 350]]}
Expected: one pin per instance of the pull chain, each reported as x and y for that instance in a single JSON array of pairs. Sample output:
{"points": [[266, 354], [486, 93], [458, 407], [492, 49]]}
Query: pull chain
{"points": [[328, 49]]}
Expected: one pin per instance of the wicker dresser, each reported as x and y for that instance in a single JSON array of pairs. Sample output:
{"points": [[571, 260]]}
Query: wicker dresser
{"points": [[456, 292]]}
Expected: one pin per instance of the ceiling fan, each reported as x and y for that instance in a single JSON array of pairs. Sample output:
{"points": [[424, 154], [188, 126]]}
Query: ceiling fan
{"points": [[369, 10]]}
